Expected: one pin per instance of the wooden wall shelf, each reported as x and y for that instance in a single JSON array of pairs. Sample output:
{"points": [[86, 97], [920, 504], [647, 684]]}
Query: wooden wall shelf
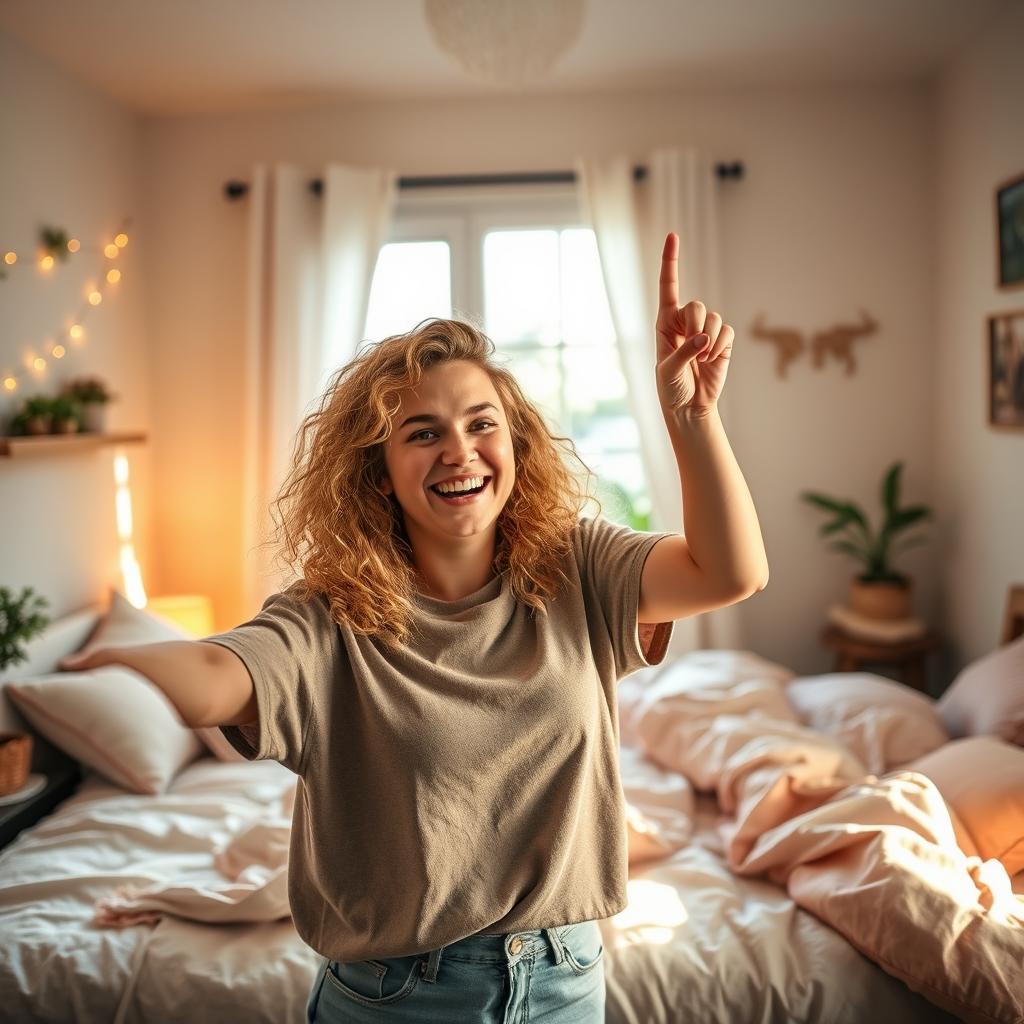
{"points": [[64, 444]]}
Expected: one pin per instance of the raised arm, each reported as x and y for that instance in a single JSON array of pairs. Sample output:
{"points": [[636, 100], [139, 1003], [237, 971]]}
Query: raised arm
{"points": [[207, 684]]}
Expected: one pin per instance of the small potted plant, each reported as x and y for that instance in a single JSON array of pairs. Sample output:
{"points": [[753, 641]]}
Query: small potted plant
{"points": [[93, 395], [67, 415], [880, 592], [35, 416], [21, 618]]}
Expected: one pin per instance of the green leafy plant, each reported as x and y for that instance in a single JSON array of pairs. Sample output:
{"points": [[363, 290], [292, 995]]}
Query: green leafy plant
{"points": [[873, 549], [21, 618], [31, 408], [88, 389], [55, 242], [64, 407], [38, 405]]}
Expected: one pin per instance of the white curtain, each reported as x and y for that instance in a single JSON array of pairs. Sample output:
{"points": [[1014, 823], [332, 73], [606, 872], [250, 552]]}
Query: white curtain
{"points": [[311, 263], [631, 220]]}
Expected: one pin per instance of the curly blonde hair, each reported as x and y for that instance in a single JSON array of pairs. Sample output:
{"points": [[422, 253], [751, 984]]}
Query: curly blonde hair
{"points": [[346, 538]]}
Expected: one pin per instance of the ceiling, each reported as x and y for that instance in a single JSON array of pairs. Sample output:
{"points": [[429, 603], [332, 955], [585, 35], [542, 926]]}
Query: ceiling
{"points": [[166, 57]]}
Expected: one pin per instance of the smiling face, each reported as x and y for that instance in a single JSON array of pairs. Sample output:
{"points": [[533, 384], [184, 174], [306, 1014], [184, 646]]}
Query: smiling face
{"points": [[449, 437]]}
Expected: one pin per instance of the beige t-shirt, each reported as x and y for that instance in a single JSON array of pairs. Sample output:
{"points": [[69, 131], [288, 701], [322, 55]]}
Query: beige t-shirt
{"points": [[467, 783]]}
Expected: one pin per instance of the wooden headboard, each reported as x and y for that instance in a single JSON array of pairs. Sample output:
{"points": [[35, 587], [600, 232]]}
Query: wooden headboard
{"points": [[1013, 624]]}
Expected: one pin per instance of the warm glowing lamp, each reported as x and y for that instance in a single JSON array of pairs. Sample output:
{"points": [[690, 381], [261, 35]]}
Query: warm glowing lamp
{"points": [[111, 251], [192, 612]]}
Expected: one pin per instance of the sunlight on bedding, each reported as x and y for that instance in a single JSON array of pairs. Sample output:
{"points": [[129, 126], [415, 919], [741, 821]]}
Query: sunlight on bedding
{"points": [[654, 912]]}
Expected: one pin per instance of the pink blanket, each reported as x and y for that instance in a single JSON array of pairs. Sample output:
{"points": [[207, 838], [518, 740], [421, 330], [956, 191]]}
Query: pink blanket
{"points": [[875, 858]]}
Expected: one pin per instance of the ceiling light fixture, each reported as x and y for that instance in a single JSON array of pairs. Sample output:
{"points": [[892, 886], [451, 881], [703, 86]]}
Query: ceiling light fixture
{"points": [[505, 41]]}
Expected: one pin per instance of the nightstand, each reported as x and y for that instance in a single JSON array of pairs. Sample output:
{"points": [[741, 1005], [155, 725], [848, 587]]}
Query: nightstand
{"points": [[63, 775], [908, 657]]}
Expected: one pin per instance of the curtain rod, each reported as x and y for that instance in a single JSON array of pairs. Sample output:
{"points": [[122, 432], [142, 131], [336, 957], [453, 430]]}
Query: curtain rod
{"points": [[237, 189]]}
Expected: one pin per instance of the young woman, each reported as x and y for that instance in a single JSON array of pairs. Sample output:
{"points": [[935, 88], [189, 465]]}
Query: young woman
{"points": [[442, 675]]}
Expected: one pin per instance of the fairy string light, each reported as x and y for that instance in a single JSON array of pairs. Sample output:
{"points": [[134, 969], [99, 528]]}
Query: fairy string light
{"points": [[54, 245]]}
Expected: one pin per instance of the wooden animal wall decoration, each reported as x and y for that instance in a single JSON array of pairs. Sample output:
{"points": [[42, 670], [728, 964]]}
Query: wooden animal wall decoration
{"points": [[836, 341]]}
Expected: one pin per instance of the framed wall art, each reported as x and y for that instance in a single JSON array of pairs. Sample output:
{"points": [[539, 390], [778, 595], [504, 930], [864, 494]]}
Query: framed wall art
{"points": [[1006, 370], [1010, 233]]}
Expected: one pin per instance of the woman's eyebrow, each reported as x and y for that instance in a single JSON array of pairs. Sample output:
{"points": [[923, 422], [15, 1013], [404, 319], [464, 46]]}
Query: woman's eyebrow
{"points": [[429, 418]]}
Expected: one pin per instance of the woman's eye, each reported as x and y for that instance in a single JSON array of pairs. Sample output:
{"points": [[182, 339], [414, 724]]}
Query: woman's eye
{"points": [[420, 433]]}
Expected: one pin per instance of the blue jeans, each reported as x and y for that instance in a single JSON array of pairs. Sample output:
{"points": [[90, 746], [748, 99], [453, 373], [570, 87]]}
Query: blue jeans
{"points": [[547, 976]]}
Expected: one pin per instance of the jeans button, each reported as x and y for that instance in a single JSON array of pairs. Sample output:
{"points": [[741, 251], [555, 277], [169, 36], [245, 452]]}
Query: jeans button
{"points": [[515, 945]]}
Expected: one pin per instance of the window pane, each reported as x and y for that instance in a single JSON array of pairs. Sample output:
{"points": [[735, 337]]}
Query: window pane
{"points": [[521, 287], [411, 282], [547, 311], [586, 318], [594, 385], [539, 376]]}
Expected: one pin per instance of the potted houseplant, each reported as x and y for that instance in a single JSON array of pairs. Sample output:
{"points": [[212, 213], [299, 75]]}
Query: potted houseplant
{"points": [[93, 395], [880, 591], [66, 415], [20, 619], [35, 416]]}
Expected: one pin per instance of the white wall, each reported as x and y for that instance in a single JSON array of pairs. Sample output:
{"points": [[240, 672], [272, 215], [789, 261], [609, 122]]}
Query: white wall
{"points": [[70, 160], [979, 480], [835, 214], [879, 199]]}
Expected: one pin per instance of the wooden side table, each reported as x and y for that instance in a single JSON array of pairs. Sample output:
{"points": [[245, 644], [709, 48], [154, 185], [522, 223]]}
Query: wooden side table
{"points": [[909, 657]]}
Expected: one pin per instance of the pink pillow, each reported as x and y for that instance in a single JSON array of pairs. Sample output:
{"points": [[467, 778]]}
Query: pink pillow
{"points": [[982, 779], [883, 723], [124, 625], [987, 697]]}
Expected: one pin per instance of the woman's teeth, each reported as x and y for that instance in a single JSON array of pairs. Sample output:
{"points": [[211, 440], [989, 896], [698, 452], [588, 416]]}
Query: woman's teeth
{"points": [[453, 497]]}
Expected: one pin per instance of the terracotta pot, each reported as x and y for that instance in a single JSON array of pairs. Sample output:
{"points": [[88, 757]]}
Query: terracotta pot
{"points": [[881, 600]]}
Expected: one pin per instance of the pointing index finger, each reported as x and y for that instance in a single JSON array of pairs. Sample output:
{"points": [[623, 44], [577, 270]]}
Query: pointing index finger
{"points": [[668, 283]]}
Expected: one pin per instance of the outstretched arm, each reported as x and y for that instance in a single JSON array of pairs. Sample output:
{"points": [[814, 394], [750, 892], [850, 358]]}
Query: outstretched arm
{"points": [[722, 532]]}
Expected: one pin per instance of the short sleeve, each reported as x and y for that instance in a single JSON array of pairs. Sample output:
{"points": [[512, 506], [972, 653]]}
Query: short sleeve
{"points": [[611, 558], [290, 650]]}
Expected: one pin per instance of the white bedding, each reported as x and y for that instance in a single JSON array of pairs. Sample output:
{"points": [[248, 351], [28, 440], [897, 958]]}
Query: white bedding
{"points": [[696, 942]]}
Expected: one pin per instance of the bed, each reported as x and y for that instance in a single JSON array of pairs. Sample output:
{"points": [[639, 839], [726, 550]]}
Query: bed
{"points": [[699, 940]]}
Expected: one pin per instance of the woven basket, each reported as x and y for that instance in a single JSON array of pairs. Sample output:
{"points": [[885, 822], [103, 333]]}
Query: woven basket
{"points": [[15, 759]]}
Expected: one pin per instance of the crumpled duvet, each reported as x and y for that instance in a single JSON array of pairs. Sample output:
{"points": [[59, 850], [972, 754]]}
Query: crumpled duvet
{"points": [[876, 858]]}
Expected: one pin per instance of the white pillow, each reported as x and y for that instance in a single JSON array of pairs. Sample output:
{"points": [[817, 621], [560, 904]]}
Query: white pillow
{"points": [[124, 625], [884, 723], [113, 720]]}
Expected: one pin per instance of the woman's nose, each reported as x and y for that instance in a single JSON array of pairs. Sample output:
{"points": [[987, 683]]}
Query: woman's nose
{"points": [[459, 449]]}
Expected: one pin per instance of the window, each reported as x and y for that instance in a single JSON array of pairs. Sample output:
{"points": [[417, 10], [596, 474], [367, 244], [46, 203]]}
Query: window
{"points": [[520, 263]]}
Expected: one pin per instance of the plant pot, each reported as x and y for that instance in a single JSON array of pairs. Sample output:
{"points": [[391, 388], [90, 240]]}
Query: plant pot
{"points": [[68, 426], [94, 417], [885, 600], [38, 425]]}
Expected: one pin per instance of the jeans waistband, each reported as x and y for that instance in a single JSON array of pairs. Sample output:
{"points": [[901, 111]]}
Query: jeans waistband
{"points": [[499, 948]]}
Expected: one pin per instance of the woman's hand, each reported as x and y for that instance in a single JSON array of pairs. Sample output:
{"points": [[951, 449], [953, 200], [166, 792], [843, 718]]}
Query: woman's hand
{"points": [[86, 659], [694, 347]]}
